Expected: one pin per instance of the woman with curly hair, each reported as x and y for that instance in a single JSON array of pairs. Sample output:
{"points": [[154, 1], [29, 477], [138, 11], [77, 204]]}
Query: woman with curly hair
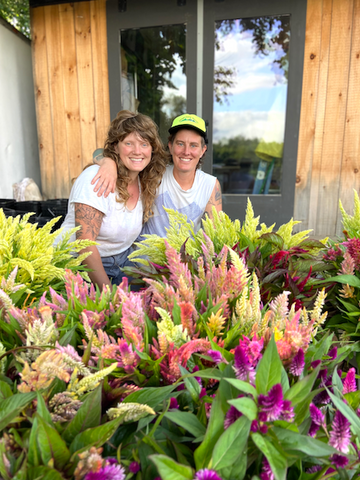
{"points": [[115, 222]]}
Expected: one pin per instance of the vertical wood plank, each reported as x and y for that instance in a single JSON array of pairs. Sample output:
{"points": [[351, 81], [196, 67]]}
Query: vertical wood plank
{"points": [[60, 181], [350, 168], [85, 81], [100, 69], [320, 114], [309, 100], [70, 86], [42, 99], [334, 126]]}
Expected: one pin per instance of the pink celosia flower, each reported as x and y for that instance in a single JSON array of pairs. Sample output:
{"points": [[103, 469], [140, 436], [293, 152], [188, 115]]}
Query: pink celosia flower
{"points": [[173, 403], [206, 474], [242, 366], [253, 349], [317, 419], [134, 467], [215, 355], [350, 382], [347, 265], [340, 433], [254, 426], [76, 287], [266, 473], [96, 320], [297, 364], [287, 412], [353, 247], [315, 363], [231, 416]]}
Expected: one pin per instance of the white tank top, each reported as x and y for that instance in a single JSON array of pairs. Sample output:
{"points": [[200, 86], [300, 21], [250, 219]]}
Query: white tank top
{"points": [[190, 202]]}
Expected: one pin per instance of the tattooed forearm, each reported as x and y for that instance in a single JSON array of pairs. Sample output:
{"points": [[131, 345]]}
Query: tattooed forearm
{"points": [[90, 221], [215, 200]]}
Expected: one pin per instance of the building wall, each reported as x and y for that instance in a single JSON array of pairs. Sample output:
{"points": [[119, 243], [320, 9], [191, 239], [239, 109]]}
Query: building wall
{"points": [[71, 89], [19, 156], [72, 98], [328, 164]]}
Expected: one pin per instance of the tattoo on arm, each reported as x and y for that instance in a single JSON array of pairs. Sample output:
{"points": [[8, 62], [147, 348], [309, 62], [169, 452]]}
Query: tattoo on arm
{"points": [[215, 200], [89, 219]]}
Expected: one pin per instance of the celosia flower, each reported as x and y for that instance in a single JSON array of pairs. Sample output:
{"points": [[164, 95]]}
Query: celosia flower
{"points": [[298, 363], [242, 366], [350, 382], [109, 472], [340, 433], [347, 265], [253, 348], [216, 356], [231, 416], [317, 419], [333, 353], [254, 426], [353, 247], [173, 403], [206, 474], [287, 412], [266, 473], [132, 411], [134, 467], [272, 403], [315, 363], [339, 460]]}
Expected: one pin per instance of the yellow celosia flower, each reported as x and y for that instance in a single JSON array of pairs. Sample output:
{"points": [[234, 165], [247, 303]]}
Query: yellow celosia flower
{"points": [[132, 411], [278, 334], [216, 323]]}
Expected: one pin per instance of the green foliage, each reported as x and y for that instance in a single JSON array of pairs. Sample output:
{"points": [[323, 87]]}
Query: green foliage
{"points": [[17, 12], [351, 223]]}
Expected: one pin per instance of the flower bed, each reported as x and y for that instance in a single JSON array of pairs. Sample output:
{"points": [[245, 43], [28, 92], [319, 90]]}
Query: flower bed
{"points": [[233, 361]]}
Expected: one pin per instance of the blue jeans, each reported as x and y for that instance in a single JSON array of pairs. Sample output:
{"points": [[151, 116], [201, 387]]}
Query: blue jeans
{"points": [[113, 264]]}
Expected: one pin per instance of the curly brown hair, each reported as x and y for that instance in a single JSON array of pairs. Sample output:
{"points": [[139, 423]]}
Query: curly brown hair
{"points": [[127, 122]]}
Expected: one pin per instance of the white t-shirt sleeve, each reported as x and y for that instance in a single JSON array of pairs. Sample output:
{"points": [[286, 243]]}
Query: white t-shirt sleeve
{"points": [[83, 191]]}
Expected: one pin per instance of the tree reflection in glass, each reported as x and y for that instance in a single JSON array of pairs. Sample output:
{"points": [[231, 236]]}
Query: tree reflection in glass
{"points": [[250, 90]]}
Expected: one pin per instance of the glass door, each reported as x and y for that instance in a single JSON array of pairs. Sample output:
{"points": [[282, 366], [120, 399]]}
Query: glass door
{"points": [[253, 57], [152, 58]]}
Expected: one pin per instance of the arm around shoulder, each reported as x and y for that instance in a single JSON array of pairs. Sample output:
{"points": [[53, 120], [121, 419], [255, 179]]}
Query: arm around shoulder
{"points": [[106, 177]]}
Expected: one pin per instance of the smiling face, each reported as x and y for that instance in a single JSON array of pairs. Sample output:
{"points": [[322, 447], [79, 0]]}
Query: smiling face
{"points": [[135, 153], [186, 149]]}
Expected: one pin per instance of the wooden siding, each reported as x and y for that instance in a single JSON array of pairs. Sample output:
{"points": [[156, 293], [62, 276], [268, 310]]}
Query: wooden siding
{"points": [[72, 101], [71, 89], [328, 154]]}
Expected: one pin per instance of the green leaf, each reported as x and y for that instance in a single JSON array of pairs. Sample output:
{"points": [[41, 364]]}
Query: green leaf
{"points": [[351, 280], [42, 409], [209, 373], [34, 455], [95, 437], [44, 473], [203, 453], [12, 406], [284, 380], [269, 369], [69, 338], [5, 391], [88, 416], [231, 445], [353, 399], [191, 384], [276, 460], [51, 445], [301, 389], [294, 441], [242, 386], [246, 406], [188, 421], [176, 314], [347, 411], [151, 396], [171, 470]]}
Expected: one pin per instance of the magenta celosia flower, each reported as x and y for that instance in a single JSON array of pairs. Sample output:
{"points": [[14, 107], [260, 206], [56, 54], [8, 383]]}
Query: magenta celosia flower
{"points": [[254, 426], [314, 469], [134, 467], [317, 419], [215, 355], [340, 433], [350, 382], [297, 363], [266, 473], [272, 403], [264, 429], [242, 366], [333, 353], [202, 392], [231, 416], [173, 403], [206, 474], [109, 472], [315, 363], [339, 460]]}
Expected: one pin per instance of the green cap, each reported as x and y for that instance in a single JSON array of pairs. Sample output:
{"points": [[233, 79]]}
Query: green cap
{"points": [[189, 120]]}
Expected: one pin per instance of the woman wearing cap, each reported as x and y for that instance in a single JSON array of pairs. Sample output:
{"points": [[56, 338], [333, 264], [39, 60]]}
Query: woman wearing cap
{"points": [[115, 221], [184, 186]]}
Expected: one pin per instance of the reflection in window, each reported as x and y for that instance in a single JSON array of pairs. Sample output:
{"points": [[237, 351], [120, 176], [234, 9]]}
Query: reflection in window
{"points": [[250, 90], [153, 77]]}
